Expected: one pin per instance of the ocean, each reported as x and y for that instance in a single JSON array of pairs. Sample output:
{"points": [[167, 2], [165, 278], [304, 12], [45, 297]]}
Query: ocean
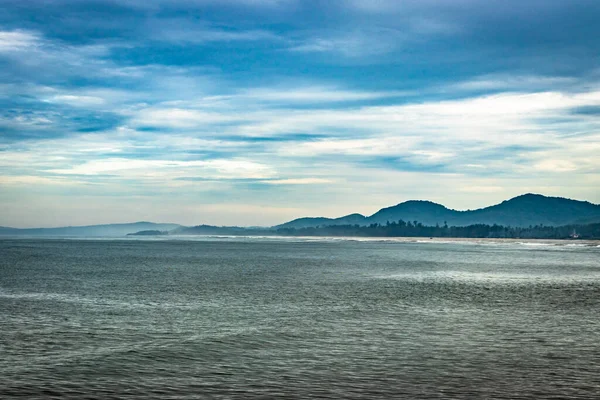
{"points": [[186, 318]]}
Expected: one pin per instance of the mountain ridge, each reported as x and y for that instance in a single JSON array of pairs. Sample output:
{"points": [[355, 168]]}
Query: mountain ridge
{"points": [[520, 211]]}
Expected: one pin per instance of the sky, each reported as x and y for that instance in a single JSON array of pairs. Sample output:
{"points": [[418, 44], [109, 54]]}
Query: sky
{"points": [[253, 112]]}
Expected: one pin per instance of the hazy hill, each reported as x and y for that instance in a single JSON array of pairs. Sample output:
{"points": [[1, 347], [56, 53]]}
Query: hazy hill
{"points": [[91, 230], [206, 230], [521, 211], [220, 230], [309, 222]]}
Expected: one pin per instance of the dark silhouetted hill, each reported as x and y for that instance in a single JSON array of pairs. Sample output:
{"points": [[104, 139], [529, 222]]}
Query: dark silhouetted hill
{"points": [[522, 211]]}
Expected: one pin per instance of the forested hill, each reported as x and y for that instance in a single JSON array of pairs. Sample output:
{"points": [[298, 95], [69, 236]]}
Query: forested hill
{"points": [[522, 211], [410, 229]]}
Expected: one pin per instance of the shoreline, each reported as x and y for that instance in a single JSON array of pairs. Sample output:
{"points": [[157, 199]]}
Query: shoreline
{"points": [[575, 243]]}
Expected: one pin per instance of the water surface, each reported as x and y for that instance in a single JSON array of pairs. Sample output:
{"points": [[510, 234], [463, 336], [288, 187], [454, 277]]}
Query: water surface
{"points": [[251, 317]]}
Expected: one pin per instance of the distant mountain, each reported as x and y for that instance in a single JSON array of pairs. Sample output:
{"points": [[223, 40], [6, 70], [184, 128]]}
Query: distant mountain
{"points": [[219, 230], [425, 212], [309, 222], [535, 209], [91, 230], [522, 211]]}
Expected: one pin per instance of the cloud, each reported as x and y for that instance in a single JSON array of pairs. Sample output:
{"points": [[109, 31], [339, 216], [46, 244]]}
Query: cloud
{"points": [[184, 32], [28, 180], [299, 181], [179, 118], [483, 118], [79, 101], [514, 83], [353, 44], [214, 169], [556, 166], [457, 134], [312, 94], [31, 57], [17, 40]]}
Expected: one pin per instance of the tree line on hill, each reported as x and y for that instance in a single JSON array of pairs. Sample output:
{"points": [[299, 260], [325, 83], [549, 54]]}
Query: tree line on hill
{"points": [[416, 229]]}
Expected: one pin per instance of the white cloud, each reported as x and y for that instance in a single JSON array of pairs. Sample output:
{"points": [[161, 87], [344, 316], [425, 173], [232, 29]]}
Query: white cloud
{"points": [[433, 155], [312, 94], [75, 100], [501, 119], [351, 44], [365, 146], [17, 40], [512, 82], [299, 181], [28, 180], [41, 57], [169, 170], [180, 118], [555, 166]]}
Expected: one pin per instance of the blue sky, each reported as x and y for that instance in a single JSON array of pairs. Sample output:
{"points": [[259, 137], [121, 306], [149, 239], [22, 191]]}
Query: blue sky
{"points": [[253, 112]]}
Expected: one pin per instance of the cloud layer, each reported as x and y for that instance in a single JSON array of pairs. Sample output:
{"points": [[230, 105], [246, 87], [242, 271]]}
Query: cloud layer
{"points": [[253, 113]]}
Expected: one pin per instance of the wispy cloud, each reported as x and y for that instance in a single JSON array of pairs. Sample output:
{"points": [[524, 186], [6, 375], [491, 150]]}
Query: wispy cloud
{"points": [[156, 168], [179, 118], [17, 40], [514, 83], [313, 94], [299, 181], [184, 31], [353, 44]]}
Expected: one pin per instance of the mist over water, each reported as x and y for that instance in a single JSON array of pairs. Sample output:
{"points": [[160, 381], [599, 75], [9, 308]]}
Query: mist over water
{"points": [[244, 318]]}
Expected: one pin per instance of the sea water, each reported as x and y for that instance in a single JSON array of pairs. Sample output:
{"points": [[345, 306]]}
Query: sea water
{"points": [[298, 318]]}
